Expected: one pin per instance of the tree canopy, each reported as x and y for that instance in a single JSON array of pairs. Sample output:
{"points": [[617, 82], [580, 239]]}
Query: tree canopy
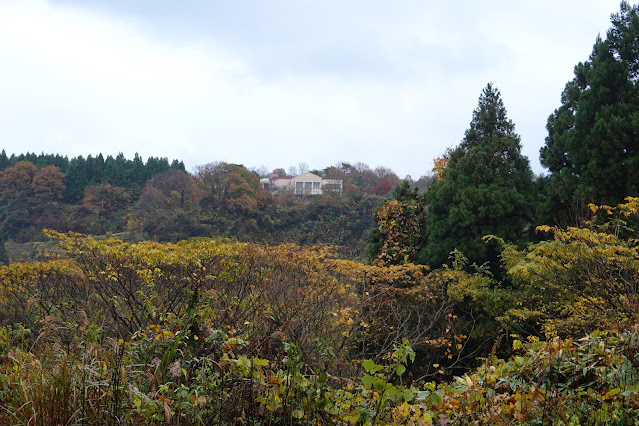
{"points": [[592, 148], [485, 188]]}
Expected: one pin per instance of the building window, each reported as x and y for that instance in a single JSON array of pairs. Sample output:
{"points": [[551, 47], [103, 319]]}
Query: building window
{"points": [[316, 185], [332, 187]]}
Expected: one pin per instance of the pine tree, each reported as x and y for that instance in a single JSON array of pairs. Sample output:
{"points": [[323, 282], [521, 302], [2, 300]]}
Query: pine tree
{"points": [[95, 168], [4, 256], [114, 171], [136, 175], [485, 188], [4, 160], [75, 180], [592, 148], [178, 165], [155, 165]]}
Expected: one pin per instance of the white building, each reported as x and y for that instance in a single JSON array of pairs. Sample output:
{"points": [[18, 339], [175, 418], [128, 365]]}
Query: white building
{"points": [[305, 184]]}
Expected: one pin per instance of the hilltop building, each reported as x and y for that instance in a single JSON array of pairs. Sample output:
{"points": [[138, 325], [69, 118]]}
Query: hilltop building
{"points": [[304, 184]]}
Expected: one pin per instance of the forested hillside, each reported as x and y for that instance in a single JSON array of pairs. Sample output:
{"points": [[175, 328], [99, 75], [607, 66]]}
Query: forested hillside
{"points": [[161, 201], [479, 295], [215, 332]]}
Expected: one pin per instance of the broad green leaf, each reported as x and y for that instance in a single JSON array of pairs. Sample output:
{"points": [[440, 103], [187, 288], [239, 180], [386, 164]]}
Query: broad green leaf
{"points": [[367, 381], [400, 369]]}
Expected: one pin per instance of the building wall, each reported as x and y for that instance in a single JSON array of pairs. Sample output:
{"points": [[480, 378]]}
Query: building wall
{"points": [[305, 184], [311, 184]]}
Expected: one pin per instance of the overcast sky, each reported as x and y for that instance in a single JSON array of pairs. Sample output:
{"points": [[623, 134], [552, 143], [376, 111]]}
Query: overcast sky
{"points": [[276, 83]]}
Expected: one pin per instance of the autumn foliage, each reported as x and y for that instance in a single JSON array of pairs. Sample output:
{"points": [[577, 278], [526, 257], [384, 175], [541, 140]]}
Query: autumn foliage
{"points": [[215, 332], [257, 302]]}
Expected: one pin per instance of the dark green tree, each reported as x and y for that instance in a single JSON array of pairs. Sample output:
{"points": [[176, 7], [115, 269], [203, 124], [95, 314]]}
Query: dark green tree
{"points": [[136, 172], [114, 171], [75, 180], [486, 188], [4, 160], [592, 148], [95, 169], [404, 192], [4, 256], [178, 165], [155, 165]]}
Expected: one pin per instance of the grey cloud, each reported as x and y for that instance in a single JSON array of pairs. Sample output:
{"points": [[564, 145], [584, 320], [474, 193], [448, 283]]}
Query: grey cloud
{"points": [[351, 39], [355, 77]]}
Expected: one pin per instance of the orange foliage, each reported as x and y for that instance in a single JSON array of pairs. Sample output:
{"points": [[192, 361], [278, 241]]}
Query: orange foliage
{"points": [[440, 164], [17, 179], [48, 182], [105, 198]]}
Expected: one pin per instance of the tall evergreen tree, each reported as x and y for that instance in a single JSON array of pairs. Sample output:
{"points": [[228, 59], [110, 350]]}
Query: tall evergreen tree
{"points": [[4, 160], [75, 180], [178, 165], [155, 165], [114, 170], [592, 148], [61, 162], [136, 175], [486, 188], [4, 256], [95, 169]]}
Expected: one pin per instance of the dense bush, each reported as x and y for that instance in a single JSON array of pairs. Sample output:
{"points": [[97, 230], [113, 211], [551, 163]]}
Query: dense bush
{"points": [[220, 332]]}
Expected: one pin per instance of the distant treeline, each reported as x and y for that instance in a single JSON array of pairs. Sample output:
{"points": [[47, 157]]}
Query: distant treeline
{"points": [[80, 172], [160, 200]]}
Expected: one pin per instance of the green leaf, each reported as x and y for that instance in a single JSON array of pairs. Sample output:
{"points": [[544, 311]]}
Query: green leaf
{"points": [[379, 385], [371, 367], [393, 392], [368, 365], [408, 395], [421, 395], [367, 381], [260, 362], [613, 392], [400, 369], [428, 418], [435, 398]]}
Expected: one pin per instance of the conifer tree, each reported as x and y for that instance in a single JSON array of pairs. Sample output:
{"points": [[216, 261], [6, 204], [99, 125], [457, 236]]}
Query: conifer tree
{"points": [[486, 188], [136, 172], [4, 160], [75, 180], [114, 170], [95, 168], [178, 165], [4, 256], [592, 148]]}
